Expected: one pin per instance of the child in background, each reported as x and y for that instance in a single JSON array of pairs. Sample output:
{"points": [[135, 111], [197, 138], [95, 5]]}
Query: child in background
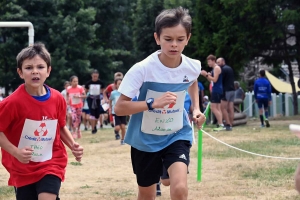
{"points": [[64, 93], [86, 114], [120, 121], [33, 130], [75, 94], [205, 102]]}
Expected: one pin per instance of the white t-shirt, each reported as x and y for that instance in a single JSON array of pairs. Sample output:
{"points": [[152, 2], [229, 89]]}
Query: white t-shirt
{"points": [[150, 78]]}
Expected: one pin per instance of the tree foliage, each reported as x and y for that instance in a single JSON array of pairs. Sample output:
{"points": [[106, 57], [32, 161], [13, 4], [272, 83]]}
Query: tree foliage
{"points": [[111, 35]]}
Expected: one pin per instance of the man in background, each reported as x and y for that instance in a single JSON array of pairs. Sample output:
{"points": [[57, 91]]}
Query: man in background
{"points": [[227, 100]]}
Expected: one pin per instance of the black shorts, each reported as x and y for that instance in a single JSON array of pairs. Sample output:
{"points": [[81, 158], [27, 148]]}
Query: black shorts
{"points": [[118, 120], [263, 103], [48, 184], [148, 166], [95, 112], [215, 97]]}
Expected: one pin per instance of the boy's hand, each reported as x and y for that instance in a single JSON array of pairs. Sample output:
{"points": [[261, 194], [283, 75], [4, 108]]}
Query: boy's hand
{"points": [[203, 73], [165, 99], [198, 118], [24, 155], [77, 151]]}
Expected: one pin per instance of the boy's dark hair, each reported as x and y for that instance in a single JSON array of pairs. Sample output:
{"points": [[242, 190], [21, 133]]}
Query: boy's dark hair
{"points": [[118, 79], [32, 51], [262, 73], [211, 57], [173, 17], [72, 77], [95, 71]]}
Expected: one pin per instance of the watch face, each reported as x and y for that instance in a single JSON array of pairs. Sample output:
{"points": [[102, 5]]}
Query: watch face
{"points": [[149, 100]]}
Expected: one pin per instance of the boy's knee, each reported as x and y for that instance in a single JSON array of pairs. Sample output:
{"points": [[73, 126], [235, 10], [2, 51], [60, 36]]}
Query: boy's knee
{"points": [[179, 191], [165, 182]]}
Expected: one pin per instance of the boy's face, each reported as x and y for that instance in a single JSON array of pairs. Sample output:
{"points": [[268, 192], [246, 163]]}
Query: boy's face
{"points": [[74, 82], [34, 72], [95, 76], [118, 84], [210, 63], [172, 40]]}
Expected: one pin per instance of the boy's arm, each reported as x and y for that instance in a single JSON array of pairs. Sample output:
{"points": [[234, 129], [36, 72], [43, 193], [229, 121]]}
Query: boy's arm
{"points": [[255, 90], [110, 105], [193, 92], [105, 95], [125, 106], [67, 138], [198, 116], [23, 155], [270, 91], [217, 72]]}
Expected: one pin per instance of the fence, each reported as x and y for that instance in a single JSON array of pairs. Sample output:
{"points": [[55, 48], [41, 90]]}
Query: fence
{"points": [[282, 104]]}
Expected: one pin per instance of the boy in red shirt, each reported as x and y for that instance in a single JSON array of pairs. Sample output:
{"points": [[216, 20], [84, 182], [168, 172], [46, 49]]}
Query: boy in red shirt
{"points": [[106, 93], [32, 129]]}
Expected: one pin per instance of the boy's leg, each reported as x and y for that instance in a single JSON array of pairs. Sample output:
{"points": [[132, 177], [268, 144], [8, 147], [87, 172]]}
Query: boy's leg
{"points": [[48, 187], [26, 192], [117, 122], [260, 108], [123, 127], [297, 179], [178, 181], [266, 108], [176, 159], [148, 167]]}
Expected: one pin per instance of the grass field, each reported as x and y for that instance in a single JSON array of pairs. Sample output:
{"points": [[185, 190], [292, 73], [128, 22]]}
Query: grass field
{"points": [[105, 172]]}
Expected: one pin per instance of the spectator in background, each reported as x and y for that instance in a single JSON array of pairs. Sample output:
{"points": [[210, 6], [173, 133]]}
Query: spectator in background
{"points": [[227, 105], [1, 97], [217, 89], [239, 92], [205, 102], [106, 93], [262, 95], [201, 95], [64, 93]]}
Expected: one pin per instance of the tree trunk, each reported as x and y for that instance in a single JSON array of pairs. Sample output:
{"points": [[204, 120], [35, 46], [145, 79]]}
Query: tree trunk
{"points": [[295, 96]]}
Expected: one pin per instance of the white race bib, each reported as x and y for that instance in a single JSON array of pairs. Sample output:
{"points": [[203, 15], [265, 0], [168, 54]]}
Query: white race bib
{"points": [[39, 135], [105, 106], [75, 100], [95, 89], [164, 121]]}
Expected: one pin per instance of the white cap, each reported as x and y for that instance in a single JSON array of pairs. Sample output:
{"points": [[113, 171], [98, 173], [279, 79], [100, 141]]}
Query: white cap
{"points": [[206, 97]]}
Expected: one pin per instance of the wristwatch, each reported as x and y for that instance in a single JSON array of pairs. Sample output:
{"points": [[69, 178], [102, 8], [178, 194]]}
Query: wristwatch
{"points": [[149, 103]]}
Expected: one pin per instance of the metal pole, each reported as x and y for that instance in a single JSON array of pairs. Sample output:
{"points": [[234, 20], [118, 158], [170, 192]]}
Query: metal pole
{"points": [[21, 24]]}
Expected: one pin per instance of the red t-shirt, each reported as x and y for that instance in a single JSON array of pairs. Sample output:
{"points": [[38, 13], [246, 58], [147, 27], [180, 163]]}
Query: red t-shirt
{"points": [[109, 89], [78, 91], [19, 108]]}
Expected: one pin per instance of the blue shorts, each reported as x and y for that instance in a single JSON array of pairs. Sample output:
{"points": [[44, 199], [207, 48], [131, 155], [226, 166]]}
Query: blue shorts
{"points": [[215, 97], [86, 111], [263, 103]]}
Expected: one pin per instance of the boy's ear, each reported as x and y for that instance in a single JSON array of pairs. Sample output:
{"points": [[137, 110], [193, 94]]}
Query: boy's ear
{"points": [[19, 71], [48, 71], [188, 38], [156, 38]]}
